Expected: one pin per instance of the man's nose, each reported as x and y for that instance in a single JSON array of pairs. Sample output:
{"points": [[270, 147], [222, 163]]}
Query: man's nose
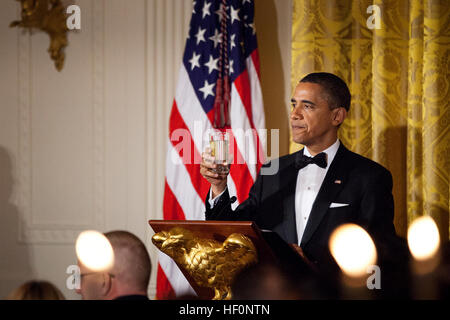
{"points": [[297, 113]]}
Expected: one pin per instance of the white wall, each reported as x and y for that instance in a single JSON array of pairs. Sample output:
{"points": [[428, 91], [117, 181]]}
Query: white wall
{"points": [[84, 148]]}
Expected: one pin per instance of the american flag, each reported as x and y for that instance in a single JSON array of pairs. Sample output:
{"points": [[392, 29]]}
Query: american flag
{"points": [[218, 87]]}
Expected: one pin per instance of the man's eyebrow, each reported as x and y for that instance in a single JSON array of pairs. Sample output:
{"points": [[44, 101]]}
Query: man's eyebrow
{"points": [[309, 102], [303, 101]]}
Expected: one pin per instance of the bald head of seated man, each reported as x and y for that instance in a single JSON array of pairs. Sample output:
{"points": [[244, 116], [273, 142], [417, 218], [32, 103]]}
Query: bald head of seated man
{"points": [[129, 276]]}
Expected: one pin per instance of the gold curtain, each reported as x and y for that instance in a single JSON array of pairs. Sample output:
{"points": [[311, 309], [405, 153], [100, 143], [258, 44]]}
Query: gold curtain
{"points": [[399, 77]]}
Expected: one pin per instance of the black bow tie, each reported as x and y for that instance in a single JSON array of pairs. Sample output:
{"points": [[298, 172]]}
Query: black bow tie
{"points": [[302, 161]]}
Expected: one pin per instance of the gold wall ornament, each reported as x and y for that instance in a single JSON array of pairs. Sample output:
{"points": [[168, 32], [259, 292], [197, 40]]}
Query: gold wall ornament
{"points": [[210, 263], [48, 16]]}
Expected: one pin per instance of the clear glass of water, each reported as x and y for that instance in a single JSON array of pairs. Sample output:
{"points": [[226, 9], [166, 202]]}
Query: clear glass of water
{"points": [[219, 144]]}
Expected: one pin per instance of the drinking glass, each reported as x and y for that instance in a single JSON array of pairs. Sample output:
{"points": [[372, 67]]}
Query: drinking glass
{"points": [[219, 144]]}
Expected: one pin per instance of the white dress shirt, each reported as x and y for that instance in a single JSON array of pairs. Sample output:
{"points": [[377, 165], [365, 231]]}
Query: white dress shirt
{"points": [[309, 181], [213, 201]]}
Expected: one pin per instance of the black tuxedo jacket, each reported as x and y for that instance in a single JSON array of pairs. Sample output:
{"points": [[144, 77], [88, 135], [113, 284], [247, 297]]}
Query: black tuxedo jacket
{"points": [[352, 179]]}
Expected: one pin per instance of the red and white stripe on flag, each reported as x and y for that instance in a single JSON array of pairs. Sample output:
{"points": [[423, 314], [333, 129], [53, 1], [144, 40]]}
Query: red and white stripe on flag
{"points": [[221, 44]]}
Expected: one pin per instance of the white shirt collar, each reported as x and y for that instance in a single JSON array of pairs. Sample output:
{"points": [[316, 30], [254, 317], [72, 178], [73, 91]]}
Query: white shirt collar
{"points": [[330, 151]]}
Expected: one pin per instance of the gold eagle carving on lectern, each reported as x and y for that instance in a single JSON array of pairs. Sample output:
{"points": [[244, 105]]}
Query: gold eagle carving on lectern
{"points": [[209, 262]]}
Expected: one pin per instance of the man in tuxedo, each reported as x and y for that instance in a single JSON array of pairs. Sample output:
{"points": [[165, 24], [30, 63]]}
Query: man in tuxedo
{"points": [[317, 188]]}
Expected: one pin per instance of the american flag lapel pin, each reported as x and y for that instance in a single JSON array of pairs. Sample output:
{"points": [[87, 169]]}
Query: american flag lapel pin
{"points": [[337, 181]]}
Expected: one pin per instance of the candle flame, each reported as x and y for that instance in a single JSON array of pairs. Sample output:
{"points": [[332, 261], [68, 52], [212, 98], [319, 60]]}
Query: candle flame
{"points": [[94, 250], [423, 238], [353, 249]]}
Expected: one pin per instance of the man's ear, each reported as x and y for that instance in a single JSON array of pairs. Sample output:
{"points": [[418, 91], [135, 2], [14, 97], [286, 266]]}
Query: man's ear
{"points": [[106, 284], [339, 114]]}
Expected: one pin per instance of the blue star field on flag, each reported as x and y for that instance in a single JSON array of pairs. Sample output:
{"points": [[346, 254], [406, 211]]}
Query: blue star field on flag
{"points": [[202, 53]]}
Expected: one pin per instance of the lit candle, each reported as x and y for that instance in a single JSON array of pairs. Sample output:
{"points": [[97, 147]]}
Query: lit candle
{"points": [[424, 242], [354, 251], [94, 251]]}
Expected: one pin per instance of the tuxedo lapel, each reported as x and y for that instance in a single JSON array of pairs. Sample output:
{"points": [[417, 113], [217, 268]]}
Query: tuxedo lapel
{"points": [[332, 184], [289, 224]]}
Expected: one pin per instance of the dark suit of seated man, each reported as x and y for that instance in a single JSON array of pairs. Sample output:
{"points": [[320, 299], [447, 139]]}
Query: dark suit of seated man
{"points": [[309, 197]]}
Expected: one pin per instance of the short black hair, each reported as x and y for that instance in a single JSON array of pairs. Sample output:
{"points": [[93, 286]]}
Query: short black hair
{"points": [[338, 94]]}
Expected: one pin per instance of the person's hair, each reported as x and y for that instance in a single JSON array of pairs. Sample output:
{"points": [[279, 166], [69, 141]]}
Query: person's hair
{"points": [[132, 264], [36, 290], [335, 89]]}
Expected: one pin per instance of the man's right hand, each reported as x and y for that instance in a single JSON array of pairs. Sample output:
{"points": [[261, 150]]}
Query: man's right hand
{"points": [[208, 169]]}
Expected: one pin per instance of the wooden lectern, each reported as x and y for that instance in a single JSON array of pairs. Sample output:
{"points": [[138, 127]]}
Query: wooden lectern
{"points": [[270, 247]]}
